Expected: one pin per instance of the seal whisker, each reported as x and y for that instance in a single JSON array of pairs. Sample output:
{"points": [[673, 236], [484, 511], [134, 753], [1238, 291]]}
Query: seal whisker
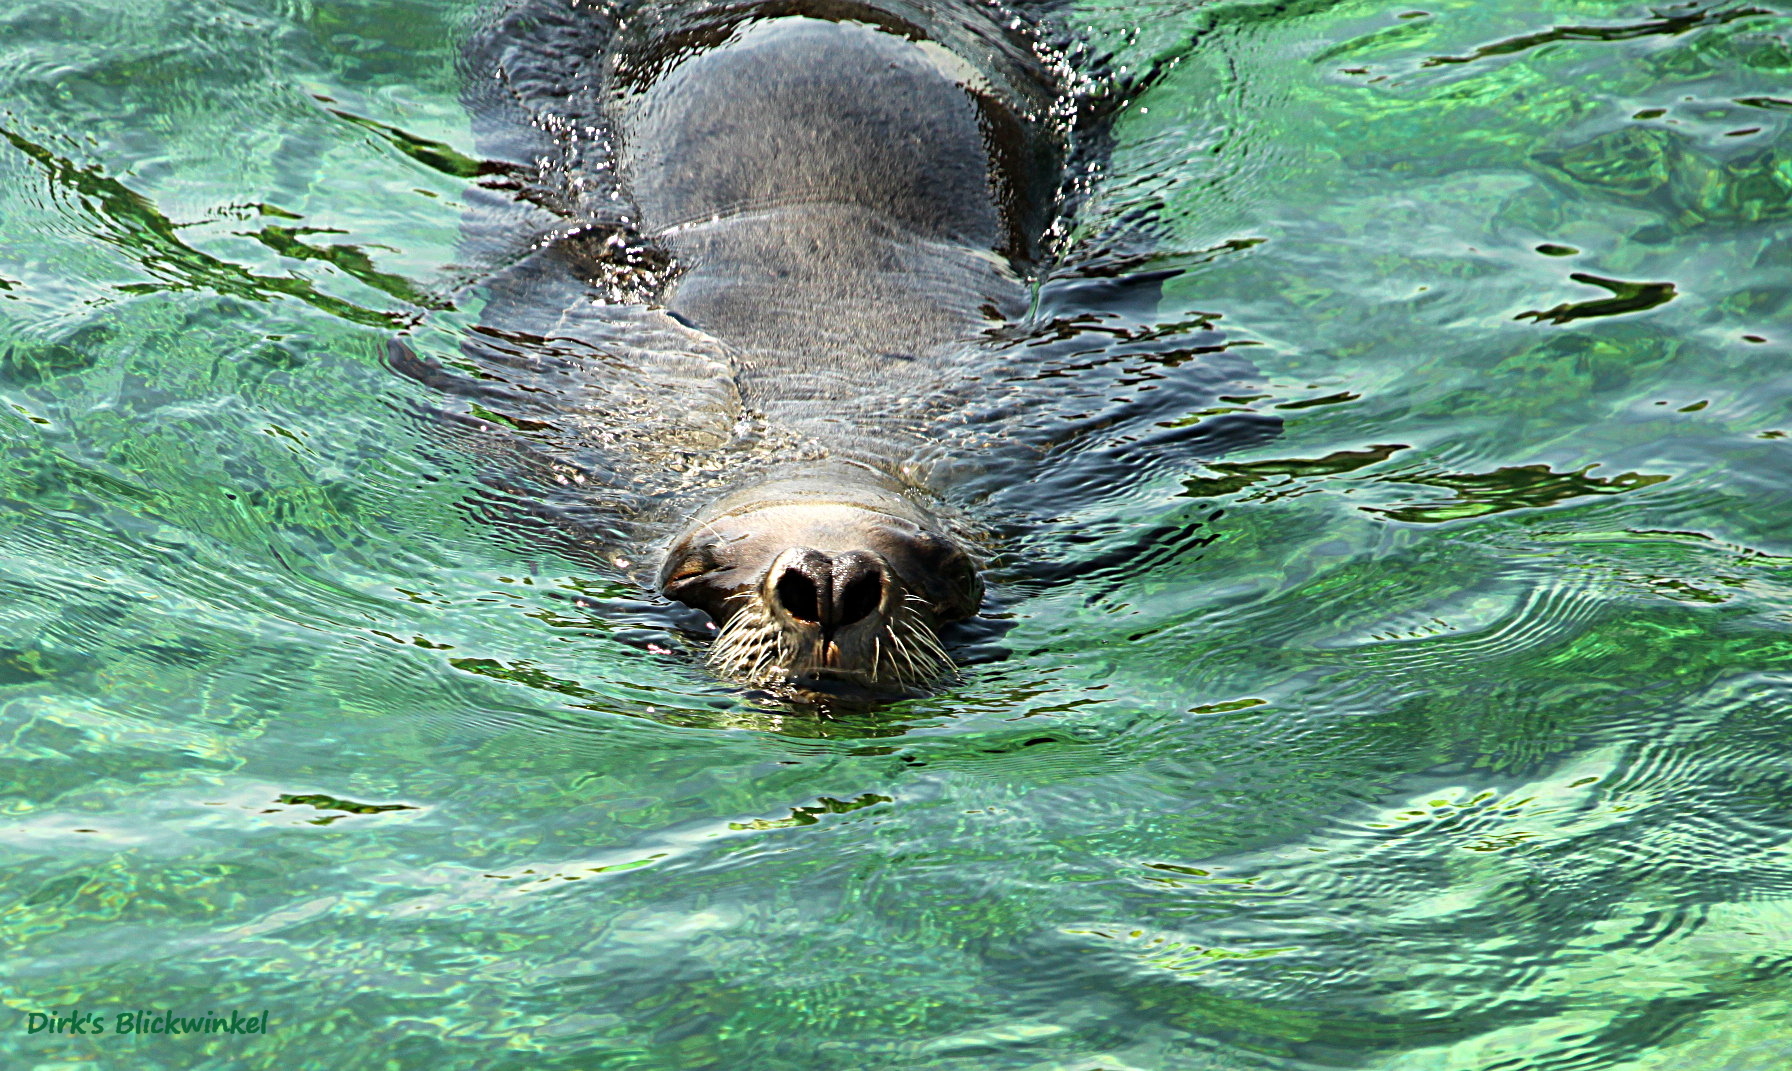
{"points": [[932, 646], [908, 656]]}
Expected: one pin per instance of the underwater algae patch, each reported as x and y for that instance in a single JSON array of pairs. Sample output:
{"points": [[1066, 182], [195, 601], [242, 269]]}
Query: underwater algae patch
{"points": [[1626, 297], [132, 224], [1508, 488]]}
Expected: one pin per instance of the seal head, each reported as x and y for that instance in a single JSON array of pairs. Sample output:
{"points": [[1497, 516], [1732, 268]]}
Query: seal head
{"points": [[819, 588]]}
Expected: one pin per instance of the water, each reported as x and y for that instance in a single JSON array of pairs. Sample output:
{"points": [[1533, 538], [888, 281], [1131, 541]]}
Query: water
{"points": [[1427, 710]]}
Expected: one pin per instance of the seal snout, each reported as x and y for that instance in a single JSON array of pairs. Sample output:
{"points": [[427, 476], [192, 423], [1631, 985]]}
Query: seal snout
{"points": [[816, 595], [827, 591]]}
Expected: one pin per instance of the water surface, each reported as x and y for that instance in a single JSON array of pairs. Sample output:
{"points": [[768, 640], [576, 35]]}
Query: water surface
{"points": [[1439, 720]]}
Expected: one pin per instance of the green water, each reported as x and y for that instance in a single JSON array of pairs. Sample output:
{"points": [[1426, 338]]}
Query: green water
{"points": [[1447, 730]]}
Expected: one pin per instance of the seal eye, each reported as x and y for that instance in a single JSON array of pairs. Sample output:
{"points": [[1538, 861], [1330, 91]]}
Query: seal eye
{"points": [[938, 555], [694, 564]]}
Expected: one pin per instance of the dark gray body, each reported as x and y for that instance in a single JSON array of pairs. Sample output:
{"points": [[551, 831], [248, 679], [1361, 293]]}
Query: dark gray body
{"points": [[726, 243], [829, 193]]}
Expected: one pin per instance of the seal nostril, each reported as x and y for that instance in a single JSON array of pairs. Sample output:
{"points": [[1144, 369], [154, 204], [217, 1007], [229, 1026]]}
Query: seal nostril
{"points": [[797, 594], [859, 596]]}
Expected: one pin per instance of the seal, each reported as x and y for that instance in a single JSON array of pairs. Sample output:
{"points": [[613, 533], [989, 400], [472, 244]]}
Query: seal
{"points": [[765, 319], [850, 204]]}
